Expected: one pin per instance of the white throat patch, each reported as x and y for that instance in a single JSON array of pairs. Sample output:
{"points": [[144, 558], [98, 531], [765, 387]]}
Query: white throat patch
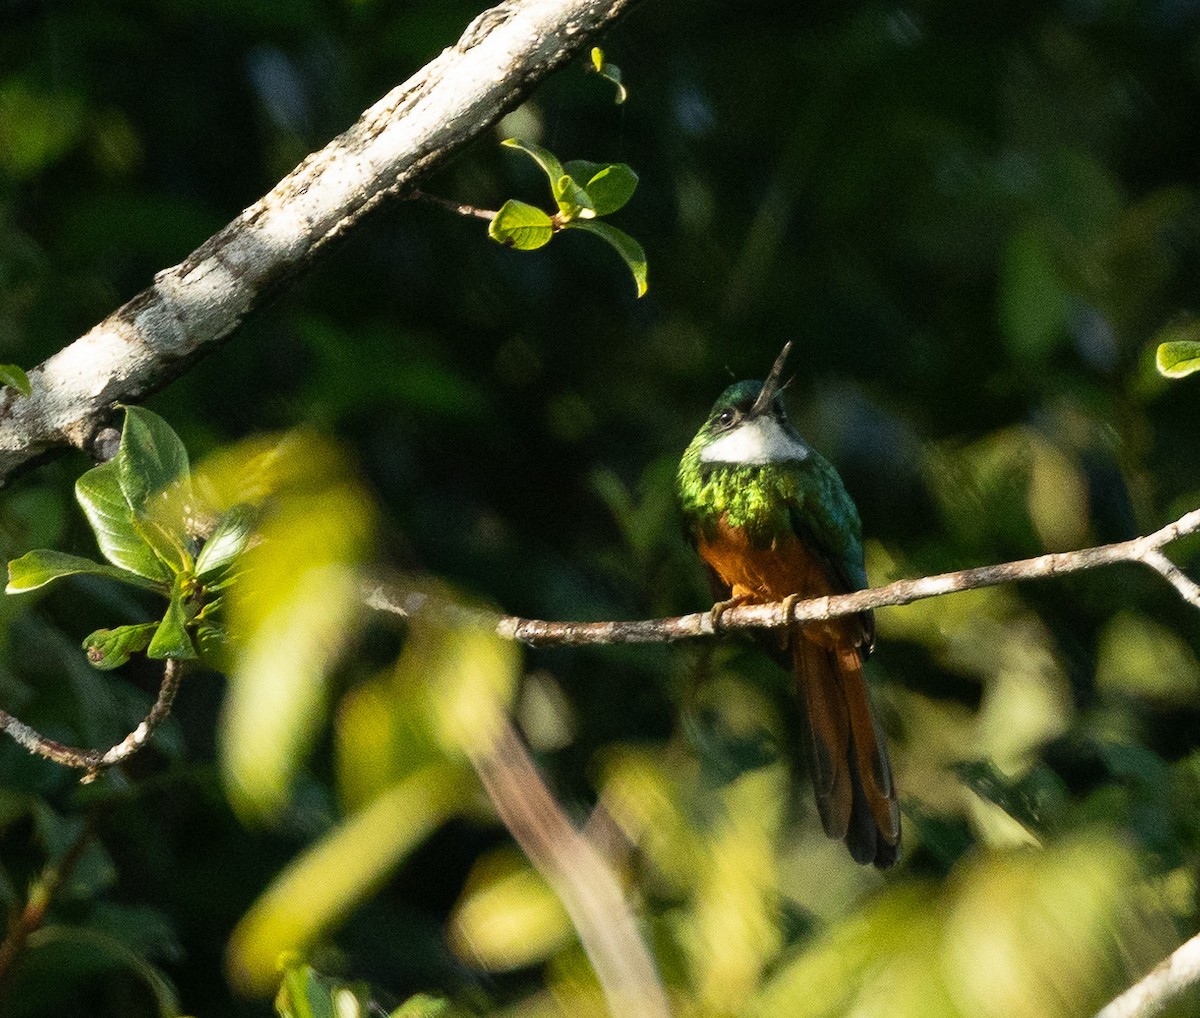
{"points": [[755, 442]]}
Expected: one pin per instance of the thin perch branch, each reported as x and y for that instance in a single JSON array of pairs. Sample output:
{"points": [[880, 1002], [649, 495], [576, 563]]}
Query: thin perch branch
{"points": [[93, 761], [399, 141], [536, 633], [1151, 994]]}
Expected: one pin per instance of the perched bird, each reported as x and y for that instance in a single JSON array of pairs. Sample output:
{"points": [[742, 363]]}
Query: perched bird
{"points": [[771, 519]]}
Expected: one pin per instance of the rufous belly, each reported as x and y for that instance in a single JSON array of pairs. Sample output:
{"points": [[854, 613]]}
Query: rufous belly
{"points": [[762, 574]]}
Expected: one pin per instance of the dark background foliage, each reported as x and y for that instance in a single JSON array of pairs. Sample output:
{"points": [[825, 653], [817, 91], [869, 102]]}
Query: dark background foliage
{"points": [[972, 220]]}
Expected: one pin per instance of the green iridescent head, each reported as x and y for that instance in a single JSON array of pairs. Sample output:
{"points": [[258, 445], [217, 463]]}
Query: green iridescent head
{"points": [[748, 426]]}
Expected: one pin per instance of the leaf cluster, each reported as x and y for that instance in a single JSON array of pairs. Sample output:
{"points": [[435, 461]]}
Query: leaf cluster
{"points": [[140, 506], [583, 191]]}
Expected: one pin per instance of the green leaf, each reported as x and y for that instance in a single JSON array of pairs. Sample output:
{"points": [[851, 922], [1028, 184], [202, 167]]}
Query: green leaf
{"points": [[227, 542], [171, 639], [521, 226], [12, 375], [212, 641], [306, 993], [573, 201], [422, 1006], [37, 568], [609, 185], [303, 995], [610, 71], [625, 245], [583, 169], [153, 471], [110, 648], [136, 502], [151, 457], [65, 950], [120, 539], [548, 161], [1179, 357]]}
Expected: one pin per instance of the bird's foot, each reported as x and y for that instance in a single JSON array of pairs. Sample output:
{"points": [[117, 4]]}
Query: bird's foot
{"points": [[721, 607], [788, 604]]}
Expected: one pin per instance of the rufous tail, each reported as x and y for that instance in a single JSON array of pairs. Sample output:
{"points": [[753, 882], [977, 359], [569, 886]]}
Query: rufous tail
{"points": [[851, 774]]}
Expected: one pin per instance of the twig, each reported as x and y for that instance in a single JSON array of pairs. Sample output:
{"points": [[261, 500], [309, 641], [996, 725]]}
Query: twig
{"points": [[537, 633], [93, 761], [398, 142], [40, 897], [1155, 991], [581, 878], [452, 206]]}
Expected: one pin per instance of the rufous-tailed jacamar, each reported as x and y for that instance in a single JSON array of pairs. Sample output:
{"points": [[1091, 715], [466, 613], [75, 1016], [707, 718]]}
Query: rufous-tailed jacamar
{"points": [[771, 519]]}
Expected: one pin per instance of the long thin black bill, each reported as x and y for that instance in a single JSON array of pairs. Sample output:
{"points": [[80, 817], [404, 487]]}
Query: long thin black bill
{"points": [[772, 384]]}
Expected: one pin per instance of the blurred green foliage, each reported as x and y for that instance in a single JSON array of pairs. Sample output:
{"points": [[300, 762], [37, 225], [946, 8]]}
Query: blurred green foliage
{"points": [[976, 222]]}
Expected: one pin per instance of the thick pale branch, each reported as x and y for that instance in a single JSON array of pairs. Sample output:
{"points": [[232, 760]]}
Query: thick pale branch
{"points": [[93, 761], [536, 633], [401, 139]]}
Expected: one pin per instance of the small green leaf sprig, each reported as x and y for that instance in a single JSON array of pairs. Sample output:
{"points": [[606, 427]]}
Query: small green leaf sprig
{"points": [[583, 191], [138, 505]]}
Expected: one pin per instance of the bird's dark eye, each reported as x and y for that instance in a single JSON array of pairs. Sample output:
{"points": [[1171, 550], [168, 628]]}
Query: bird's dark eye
{"points": [[726, 417]]}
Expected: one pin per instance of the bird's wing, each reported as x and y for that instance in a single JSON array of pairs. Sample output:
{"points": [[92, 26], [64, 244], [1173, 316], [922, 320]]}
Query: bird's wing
{"points": [[827, 522]]}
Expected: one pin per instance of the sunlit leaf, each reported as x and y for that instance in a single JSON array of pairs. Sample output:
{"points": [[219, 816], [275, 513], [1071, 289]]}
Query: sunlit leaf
{"points": [[422, 1006], [326, 882], [547, 160], [12, 375], [152, 469], [583, 170], [226, 543], [521, 226], [609, 71], [110, 648], [1179, 351], [383, 733], [37, 568], [613, 73], [252, 472], [469, 675], [508, 917], [573, 201], [171, 638], [295, 605], [1138, 656], [609, 186], [104, 503], [151, 458], [628, 248], [306, 993]]}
